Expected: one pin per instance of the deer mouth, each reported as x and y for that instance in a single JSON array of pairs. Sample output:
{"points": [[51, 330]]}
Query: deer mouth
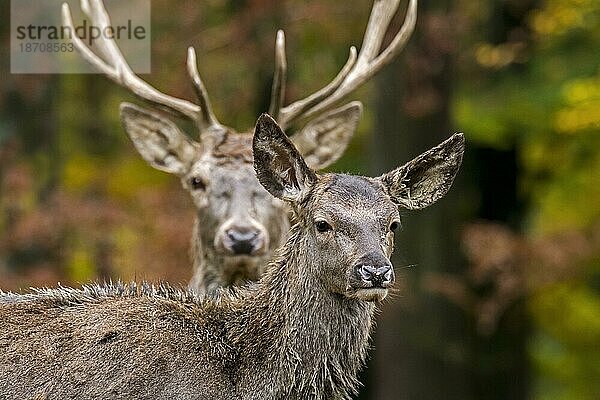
{"points": [[241, 259], [372, 294], [247, 255]]}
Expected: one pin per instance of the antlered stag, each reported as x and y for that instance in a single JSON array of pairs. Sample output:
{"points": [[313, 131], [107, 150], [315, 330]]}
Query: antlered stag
{"points": [[238, 225], [301, 332]]}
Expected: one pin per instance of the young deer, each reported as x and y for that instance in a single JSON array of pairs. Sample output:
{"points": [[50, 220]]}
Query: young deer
{"points": [[301, 332], [237, 224]]}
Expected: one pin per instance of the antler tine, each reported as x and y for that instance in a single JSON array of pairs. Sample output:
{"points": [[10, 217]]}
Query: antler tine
{"points": [[298, 109], [96, 12], [370, 60], [379, 20], [90, 56], [396, 45], [114, 66], [279, 77], [208, 119]]}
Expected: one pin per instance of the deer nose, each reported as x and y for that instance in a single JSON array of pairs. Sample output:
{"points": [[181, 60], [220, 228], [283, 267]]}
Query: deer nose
{"points": [[243, 241], [382, 276]]}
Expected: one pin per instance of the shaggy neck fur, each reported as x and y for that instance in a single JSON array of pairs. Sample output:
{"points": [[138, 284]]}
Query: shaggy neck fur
{"points": [[285, 337], [318, 339]]}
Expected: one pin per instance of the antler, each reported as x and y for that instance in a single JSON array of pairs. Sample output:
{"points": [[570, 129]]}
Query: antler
{"points": [[112, 63], [357, 70]]}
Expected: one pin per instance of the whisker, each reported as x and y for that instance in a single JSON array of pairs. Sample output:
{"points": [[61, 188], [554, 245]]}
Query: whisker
{"points": [[405, 267], [393, 293]]}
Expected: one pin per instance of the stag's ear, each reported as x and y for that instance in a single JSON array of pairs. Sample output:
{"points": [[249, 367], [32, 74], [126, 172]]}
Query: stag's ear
{"points": [[158, 140], [424, 180], [323, 140], [279, 166]]}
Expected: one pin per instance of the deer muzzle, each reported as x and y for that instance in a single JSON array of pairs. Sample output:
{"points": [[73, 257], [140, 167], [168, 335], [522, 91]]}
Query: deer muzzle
{"points": [[377, 277], [374, 271], [243, 240]]}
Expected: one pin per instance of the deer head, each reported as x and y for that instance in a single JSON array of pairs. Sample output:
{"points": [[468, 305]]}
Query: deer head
{"points": [[238, 224], [348, 222]]}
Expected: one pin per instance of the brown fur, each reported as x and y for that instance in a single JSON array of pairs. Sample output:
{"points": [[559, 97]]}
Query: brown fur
{"points": [[237, 146], [229, 197], [301, 332]]}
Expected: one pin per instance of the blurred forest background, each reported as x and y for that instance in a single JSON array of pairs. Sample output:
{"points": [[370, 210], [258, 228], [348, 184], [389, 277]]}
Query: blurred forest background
{"points": [[500, 296]]}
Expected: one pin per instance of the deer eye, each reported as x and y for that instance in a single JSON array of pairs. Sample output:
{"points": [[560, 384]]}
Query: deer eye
{"points": [[197, 183], [394, 226], [322, 226]]}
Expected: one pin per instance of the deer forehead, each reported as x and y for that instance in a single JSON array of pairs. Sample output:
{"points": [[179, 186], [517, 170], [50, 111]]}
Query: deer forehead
{"points": [[233, 147], [231, 150], [353, 199], [214, 169]]}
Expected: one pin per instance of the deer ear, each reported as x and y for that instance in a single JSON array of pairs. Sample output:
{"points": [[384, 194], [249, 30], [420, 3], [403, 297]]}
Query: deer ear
{"points": [[158, 140], [427, 178], [279, 166], [323, 140]]}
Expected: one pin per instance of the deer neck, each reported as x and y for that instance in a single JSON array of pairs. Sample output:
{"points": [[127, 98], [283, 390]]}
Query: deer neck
{"points": [[203, 279], [320, 339]]}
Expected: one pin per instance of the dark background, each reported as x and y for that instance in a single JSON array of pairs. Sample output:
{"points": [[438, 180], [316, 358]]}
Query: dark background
{"points": [[499, 289]]}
